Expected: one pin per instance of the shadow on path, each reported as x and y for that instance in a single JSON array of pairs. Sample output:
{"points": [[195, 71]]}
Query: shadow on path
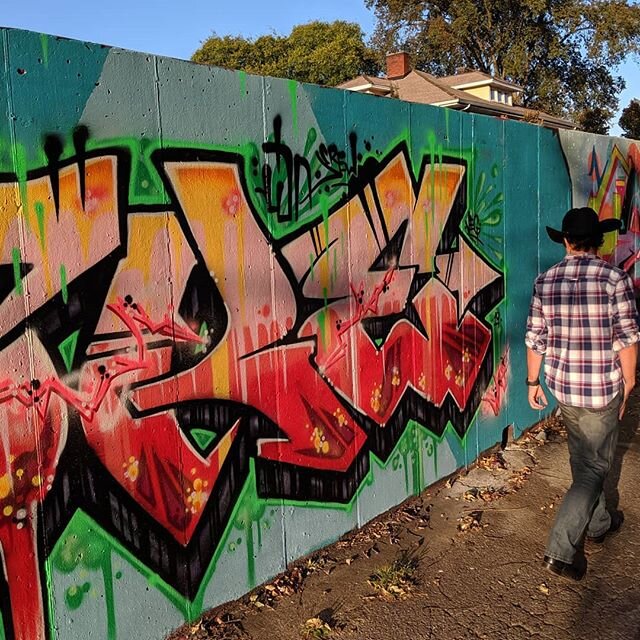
{"points": [[625, 442], [608, 584]]}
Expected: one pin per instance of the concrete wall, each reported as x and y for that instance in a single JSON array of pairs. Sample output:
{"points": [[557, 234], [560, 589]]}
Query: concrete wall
{"points": [[241, 316]]}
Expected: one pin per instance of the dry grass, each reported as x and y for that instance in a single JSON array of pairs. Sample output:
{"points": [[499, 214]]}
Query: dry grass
{"points": [[315, 629], [397, 579]]}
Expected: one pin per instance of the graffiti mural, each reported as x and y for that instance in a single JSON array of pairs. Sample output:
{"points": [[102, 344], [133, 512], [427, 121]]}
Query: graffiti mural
{"points": [[228, 335], [203, 342], [606, 177]]}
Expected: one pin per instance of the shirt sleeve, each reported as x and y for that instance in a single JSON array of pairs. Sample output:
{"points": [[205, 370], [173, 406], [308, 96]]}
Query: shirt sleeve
{"points": [[626, 330], [537, 331]]}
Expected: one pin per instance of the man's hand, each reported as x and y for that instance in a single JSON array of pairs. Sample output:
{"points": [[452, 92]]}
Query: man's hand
{"points": [[628, 387], [537, 399]]}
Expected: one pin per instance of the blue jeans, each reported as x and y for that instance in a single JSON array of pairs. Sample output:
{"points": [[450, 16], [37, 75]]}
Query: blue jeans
{"points": [[593, 436]]}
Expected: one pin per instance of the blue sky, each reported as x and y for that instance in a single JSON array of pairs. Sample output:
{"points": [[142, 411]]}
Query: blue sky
{"points": [[176, 28], [173, 27]]}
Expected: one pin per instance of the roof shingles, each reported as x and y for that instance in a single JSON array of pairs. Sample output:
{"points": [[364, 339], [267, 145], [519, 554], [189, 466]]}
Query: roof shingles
{"points": [[418, 86]]}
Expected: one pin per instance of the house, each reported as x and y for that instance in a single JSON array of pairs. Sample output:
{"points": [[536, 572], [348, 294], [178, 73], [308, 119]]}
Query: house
{"points": [[473, 91]]}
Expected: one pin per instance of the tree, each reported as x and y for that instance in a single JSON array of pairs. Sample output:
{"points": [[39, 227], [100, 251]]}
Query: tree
{"points": [[630, 120], [319, 52], [563, 53]]}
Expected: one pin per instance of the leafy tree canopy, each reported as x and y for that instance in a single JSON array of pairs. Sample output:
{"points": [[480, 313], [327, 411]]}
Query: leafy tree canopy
{"points": [[630, 120], [564, 53], [326, 53]]}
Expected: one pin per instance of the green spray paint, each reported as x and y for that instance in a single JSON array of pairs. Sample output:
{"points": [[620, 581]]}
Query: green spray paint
{"points": [[20, 161], [44, 44], [250, 512], [312, 136], [293, 96], [74, 596], [85, 546], [204, 332], [145, 184], [242, 81], [144, 179], [203, 437], [39, 211], [412, 448], [17, 271], [67, 349], [483, 220], [88, 551], [496, 321], [324, 207], [107, 577], [435, 461], [63, 284]]}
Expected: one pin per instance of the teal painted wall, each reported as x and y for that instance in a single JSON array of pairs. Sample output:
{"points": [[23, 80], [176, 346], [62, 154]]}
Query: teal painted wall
{"points": [[240, 316]]}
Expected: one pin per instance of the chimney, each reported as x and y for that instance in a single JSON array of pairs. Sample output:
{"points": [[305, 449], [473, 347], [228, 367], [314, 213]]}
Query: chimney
{"points": [[398, 65]]}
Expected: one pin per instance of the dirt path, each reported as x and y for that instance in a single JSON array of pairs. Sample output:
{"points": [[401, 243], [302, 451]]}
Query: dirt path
{"points": [[460, 561]]}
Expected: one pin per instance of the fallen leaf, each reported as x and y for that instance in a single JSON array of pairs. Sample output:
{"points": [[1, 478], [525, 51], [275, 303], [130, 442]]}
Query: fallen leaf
{"points": [[314, 623]]}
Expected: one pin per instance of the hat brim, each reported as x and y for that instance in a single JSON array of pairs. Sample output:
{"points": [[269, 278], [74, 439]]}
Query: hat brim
{"points": [[555, 235], [610, 224], [604, 226]]}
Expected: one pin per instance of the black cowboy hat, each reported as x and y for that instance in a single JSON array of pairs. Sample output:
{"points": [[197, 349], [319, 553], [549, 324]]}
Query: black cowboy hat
{"points": [[582, 223]]}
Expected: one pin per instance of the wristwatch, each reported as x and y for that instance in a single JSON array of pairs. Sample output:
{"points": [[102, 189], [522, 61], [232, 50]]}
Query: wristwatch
{"points": [[533, 383]]}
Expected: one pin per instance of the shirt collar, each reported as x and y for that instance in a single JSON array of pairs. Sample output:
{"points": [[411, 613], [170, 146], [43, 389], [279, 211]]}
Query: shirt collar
{"points": [[581, 255]]}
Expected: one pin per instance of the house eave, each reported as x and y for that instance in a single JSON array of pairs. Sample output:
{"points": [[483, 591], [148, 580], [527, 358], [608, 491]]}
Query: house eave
{"points": [[446, 103], [370, 88], [489, 82]]}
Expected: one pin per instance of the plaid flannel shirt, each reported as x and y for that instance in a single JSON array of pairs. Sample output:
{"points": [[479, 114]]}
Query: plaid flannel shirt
{"points": [[582, 313]]}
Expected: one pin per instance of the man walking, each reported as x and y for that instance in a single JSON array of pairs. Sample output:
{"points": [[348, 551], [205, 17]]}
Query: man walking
{"points": [[583, 323]]}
